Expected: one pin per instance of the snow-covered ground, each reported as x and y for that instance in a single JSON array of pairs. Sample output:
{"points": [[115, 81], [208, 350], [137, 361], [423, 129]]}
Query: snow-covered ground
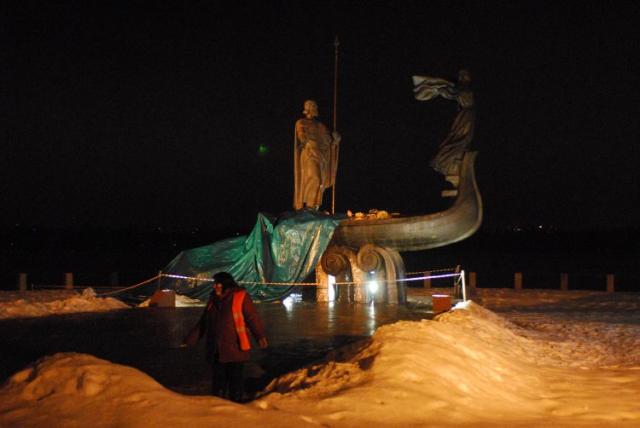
{"points": [[524, 358], [16, 304], [181, 302]]}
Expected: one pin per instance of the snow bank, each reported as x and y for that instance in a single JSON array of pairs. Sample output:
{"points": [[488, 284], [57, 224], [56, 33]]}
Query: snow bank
{"points": [[14, 304], [181, 302], [78, 390], [469, 367]]}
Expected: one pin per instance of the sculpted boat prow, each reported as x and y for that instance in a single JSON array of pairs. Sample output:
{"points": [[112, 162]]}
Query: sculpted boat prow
{"points": [[421, 232], [368, 251]]}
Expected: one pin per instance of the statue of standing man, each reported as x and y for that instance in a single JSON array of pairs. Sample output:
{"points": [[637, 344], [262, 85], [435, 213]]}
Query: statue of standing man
{"points": [[315, 159]]}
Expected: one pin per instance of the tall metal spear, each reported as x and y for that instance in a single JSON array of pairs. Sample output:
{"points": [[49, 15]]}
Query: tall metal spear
{"points": [[335, 151]]}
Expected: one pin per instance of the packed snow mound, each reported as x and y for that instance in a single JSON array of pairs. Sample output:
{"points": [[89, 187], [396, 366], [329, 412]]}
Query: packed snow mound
{"points": [[436, 366], [185, 301], [79, 390], [468, 366], [14, 304], [181, 302], [342, 370]]}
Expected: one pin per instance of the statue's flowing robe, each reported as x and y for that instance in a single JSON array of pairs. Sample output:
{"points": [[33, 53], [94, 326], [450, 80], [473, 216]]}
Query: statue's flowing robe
{"points": [[448, 159], [314, 163]]}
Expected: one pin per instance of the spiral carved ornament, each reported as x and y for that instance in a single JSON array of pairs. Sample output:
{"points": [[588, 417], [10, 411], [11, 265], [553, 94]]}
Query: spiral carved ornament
{"points": [[369, 258], [335, 261]]}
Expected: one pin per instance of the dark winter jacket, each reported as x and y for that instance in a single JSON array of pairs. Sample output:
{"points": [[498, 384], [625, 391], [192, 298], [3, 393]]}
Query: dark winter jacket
{"points": [[217, 324]]}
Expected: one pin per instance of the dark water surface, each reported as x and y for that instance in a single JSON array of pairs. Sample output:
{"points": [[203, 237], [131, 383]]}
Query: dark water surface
{"points": [[148, 339]]}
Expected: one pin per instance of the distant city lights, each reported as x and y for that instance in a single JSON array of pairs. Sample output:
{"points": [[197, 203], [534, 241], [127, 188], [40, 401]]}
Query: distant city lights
{"points": [[546, 228]]}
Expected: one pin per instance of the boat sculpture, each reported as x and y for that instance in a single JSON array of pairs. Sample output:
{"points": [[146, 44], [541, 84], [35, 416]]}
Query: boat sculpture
{"points": [[368, 250], [421, 232], [364, 250]]}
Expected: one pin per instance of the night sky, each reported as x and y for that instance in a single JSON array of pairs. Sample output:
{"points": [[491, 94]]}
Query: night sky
{"points": [[136, 114]]}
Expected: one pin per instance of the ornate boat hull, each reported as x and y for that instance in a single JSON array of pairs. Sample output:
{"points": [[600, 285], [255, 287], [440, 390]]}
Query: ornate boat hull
{"points": [[421, 232]]}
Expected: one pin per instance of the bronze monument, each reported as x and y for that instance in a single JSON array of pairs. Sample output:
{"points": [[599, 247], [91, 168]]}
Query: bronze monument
{"points": [[314, 159], [449, 156], [370, 249]]}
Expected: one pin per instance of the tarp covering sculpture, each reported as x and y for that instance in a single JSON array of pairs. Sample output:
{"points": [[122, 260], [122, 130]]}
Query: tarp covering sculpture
{"points": [[278, 249]]}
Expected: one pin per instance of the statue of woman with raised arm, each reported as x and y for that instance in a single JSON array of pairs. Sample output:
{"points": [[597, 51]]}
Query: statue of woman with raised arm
{"points": [[314, 159], [449, 156]]}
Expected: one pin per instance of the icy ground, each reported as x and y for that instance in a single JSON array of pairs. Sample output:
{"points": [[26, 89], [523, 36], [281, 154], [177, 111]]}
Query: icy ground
{"points": [[523, 359]]}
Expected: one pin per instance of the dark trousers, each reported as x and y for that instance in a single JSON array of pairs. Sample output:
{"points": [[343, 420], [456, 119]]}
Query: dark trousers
{"points": [[226, 380]]}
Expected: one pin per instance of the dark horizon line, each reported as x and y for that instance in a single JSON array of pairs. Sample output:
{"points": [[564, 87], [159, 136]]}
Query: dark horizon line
{"points": [[168, 229]]}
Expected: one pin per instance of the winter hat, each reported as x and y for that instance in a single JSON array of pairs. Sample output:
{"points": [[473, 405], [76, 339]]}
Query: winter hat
{"points": [[225, 279]]}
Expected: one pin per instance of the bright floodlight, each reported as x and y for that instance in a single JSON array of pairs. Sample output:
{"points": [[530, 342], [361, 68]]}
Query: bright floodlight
{"points": [[332, 287], [288, 303], [372, 286]]}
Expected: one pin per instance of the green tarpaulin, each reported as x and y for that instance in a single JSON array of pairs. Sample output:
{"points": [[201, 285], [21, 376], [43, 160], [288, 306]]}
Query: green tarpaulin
{"points": [[279, 249]]}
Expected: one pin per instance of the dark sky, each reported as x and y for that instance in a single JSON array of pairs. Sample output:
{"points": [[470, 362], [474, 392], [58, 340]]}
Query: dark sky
{"points": [[127, 113]]}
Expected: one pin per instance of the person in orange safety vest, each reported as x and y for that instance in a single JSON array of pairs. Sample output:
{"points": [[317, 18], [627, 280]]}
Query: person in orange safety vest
{"points": [[225, 320]]}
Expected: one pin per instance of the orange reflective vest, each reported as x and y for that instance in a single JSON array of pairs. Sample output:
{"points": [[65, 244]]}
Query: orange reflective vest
{"points": [[238, 319]]}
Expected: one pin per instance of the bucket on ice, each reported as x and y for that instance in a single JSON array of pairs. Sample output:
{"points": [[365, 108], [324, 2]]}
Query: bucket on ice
{"points": [[163, 299], [440, 303]]}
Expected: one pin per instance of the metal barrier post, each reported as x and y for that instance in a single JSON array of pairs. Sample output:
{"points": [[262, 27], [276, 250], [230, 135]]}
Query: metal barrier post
{"points": [[426, 282], [464, 286], [22, 281], [473, 280], [611, 283], [517, 281], [68, 280]]}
